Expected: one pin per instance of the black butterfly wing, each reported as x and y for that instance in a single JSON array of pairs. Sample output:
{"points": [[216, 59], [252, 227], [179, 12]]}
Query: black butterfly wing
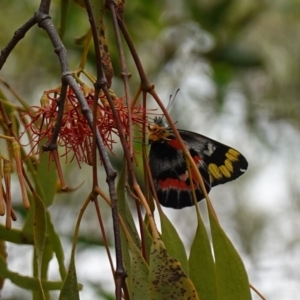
{"points": [[170, 176], [216, 162], [223, 163]]}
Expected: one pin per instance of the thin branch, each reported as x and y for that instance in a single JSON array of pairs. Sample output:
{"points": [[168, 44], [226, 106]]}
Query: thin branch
{"points": [[18, 35], [45, 22], [45, 6], [124, 73], [52, 144], [145, 84], [100, 83]]}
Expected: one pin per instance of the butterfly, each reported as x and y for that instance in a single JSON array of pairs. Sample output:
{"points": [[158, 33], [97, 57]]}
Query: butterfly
{"points": [[217, 164]]}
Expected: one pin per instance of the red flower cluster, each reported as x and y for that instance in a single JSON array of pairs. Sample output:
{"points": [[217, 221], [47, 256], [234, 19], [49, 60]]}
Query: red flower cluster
{"points": [[75, 134]]}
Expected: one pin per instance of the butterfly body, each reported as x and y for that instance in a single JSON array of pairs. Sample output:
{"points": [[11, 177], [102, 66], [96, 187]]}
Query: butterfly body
{"points": [[216, 162]]}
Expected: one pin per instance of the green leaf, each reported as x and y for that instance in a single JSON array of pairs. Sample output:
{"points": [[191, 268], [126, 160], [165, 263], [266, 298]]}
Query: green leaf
{"points": [[127, 262], [70, 286], [3, 256], [16, 236], [26, 282], [46, 180], [64, 9], [135, 265], [47, 257], [167, 280], [202, 265], [139, 274], [39, 230], [27, 229], [39, 234], [148, 240], [173, 242], [57, 247], [123, 208], [232, 279]]}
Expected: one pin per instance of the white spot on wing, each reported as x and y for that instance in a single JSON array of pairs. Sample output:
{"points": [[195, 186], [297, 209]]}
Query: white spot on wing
{"points": [[210, 149]]}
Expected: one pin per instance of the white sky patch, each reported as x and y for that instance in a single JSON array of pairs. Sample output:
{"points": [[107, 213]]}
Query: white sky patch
{"points": [[267, 188]]}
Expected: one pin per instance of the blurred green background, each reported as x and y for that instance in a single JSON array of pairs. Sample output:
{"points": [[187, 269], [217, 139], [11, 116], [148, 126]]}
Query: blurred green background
{"points": [[237, 64]]}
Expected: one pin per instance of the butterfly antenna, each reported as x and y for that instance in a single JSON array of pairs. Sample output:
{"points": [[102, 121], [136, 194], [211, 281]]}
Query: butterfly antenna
{"points": [[160, 119], [171, 100]]}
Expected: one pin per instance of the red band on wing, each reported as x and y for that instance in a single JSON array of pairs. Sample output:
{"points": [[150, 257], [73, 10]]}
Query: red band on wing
{"points": [[174, 143], [175, 184], [197, 160]]}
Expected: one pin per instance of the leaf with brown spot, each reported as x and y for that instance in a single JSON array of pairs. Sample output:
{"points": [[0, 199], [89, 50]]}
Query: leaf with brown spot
{"points": [[167, 280], [172, 242]]}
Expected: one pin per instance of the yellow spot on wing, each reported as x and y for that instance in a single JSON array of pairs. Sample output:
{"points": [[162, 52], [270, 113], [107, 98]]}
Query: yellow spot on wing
{"points": [[225, 171], [232, 155], [228, 165], [215, 171]]}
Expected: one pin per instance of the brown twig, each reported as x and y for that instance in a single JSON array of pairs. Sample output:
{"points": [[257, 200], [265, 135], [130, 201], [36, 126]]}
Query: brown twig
{"points": [[124, 73], [52, 144], [18, 35], [145, 83], [100, 83], [125, 76], [146, 86], [44, 21]]}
